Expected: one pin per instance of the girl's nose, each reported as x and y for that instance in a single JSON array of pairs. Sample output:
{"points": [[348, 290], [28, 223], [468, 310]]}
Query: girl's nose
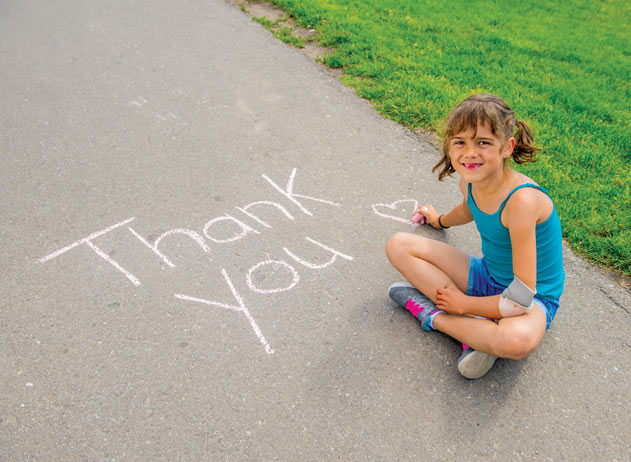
{"points": [[469, 150]]}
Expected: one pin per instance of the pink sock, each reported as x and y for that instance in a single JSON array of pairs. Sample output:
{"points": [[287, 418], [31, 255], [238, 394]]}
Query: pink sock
{"points": [[431, 317]]}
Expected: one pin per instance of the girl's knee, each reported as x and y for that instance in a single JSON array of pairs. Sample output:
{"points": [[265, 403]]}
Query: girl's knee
{"points": [[406, 244], [397, 246], [517, 342]]}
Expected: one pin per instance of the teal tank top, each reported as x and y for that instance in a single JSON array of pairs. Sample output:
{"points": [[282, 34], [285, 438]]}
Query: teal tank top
{"points": [[497, 250]]}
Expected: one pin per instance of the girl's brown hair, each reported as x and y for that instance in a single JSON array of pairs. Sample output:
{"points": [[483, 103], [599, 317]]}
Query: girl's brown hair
{"points": [[494, 112]]}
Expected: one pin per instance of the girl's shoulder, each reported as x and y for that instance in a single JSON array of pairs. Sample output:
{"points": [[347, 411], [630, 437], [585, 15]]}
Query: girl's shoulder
{"points": [[527, 199], [521, 179]]}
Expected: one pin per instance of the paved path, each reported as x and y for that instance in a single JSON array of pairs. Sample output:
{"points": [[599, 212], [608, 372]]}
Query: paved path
{"points": [[192, 224]]}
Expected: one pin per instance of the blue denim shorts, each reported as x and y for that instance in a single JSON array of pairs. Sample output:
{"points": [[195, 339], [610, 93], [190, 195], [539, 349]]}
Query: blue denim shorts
{"points": [[481, 284]]}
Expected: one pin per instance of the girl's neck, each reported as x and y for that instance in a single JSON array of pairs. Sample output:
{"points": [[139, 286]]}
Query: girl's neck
{"points": [[489, 187]]}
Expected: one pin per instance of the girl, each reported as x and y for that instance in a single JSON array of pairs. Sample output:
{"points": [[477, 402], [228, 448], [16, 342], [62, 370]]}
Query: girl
{"points": [[499, 305]]}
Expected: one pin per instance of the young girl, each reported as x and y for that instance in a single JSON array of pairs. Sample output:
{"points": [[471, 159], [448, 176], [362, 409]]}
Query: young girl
{"points": [[499, 305]]}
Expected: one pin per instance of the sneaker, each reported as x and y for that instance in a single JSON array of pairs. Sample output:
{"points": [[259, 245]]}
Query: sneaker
{"points": [[406, 295], [473, 364]]}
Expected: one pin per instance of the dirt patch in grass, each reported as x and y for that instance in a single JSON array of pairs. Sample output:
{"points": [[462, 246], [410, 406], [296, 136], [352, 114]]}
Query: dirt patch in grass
{"points": [[285, 28]]}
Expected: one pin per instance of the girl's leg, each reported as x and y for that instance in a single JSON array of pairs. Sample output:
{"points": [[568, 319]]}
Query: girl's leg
{"points": [[428, 264], [513, 338]]}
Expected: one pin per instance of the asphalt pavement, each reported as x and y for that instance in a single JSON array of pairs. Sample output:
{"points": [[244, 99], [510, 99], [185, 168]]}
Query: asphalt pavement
{"points": [[192, 224]]}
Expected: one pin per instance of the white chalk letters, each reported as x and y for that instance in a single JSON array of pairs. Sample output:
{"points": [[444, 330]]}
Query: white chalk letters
{"points": [[228, 228], [222, 230]]}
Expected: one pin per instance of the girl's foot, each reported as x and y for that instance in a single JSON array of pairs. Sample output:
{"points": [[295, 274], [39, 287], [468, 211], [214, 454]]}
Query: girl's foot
{"points": [[473, 364], [406, 295]]}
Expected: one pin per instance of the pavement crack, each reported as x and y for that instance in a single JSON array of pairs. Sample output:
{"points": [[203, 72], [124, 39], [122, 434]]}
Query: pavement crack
{"points": [[610, 297]]}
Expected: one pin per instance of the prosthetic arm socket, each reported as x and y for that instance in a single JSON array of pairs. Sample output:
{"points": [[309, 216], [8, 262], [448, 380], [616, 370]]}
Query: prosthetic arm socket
{"points": [[516, 299]]}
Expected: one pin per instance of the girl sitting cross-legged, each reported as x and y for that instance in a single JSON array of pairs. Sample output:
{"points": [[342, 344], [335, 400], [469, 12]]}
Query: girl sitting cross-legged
{"points": [[499, 305]]}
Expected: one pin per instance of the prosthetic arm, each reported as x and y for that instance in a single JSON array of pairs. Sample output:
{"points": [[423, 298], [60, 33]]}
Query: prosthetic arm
{"points": [[516, 299]]}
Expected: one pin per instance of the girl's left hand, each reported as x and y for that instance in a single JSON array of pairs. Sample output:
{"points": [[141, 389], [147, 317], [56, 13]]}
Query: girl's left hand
{"points": [[450, 299]]}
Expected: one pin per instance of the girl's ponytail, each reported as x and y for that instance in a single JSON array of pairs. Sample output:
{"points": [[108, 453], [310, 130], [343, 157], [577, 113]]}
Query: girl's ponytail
{"points": [[525, 150]]}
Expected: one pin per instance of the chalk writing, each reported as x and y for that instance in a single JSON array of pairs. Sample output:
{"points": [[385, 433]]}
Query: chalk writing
{"points": [[154, 247], [313, 265], [241, 308], [288, 192], [215, 232], [399, 209], [287, 266], [245, 229], [246, 210], [88, 241]]}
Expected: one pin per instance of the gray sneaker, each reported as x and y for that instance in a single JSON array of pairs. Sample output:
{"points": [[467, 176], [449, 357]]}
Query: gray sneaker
{"points": [[406, 295], [473, 364]]}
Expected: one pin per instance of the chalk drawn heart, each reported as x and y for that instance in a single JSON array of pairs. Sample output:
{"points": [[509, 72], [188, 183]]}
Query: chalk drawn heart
{"points": [[395, 206]]}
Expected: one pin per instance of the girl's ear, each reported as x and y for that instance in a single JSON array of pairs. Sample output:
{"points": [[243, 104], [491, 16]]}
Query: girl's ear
{"points": [[509, 147]]}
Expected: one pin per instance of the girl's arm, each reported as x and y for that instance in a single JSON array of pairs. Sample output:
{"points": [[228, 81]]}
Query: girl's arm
{"points": [[452, 300], [520, 217], [459, 215]]}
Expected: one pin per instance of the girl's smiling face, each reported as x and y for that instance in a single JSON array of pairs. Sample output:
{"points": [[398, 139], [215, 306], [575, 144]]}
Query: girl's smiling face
{"points": [[479, 154]]}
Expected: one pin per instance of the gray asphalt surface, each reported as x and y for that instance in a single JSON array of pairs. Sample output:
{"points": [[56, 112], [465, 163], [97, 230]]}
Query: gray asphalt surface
{"points": [[257, 328]]}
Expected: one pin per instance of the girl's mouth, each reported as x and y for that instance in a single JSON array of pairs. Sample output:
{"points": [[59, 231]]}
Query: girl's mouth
{"points": [[472, 166]]}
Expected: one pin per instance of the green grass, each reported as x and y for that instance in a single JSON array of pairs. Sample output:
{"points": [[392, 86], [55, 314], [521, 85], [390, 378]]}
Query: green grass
{"points": [[564, 67]]}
